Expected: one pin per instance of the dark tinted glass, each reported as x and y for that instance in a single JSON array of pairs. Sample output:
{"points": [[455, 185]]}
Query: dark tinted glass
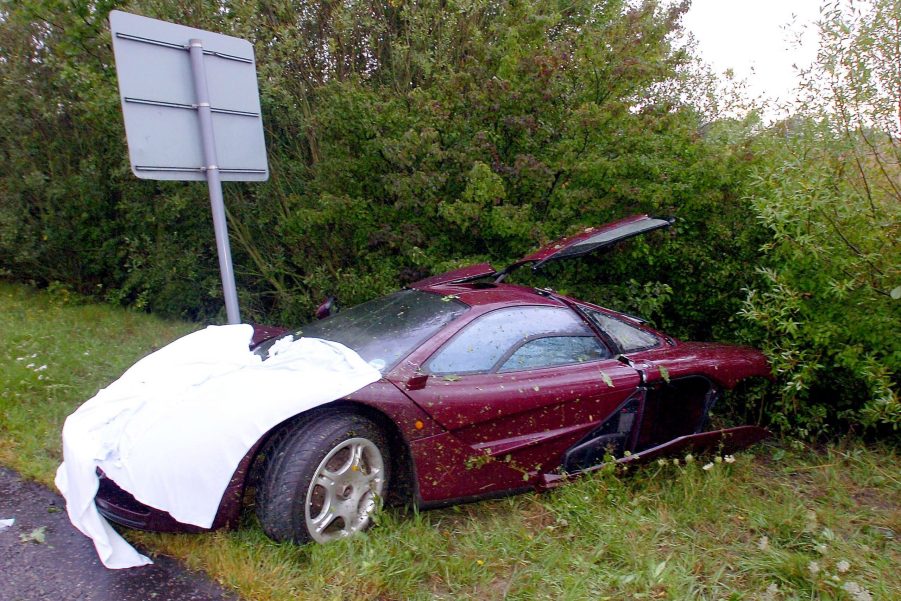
{"points": [[488, 340], [385, 330]]}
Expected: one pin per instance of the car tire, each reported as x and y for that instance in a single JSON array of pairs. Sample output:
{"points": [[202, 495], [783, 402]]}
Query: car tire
{"points": [[323, 479]]}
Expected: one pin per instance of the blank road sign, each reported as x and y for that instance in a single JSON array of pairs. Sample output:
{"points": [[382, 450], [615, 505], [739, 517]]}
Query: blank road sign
{"points": [[159, 103]]}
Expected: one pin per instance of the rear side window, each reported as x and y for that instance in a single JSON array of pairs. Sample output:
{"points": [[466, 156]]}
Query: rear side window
{"points": [[628, 337], [518, 338], [555, 350]]}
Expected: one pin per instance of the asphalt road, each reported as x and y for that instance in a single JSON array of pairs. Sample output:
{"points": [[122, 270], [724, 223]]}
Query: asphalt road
{"points": [[65, 566]]}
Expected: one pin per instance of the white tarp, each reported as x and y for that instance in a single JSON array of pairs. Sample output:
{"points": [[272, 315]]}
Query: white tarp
{"points": [[173, 429]]}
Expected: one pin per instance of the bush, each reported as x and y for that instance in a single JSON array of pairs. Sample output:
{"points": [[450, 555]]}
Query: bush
{"points": [[829, 311], [404, 139]]}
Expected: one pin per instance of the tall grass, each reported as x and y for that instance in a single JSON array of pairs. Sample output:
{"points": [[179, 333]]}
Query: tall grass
{"points": [[780, 522]]}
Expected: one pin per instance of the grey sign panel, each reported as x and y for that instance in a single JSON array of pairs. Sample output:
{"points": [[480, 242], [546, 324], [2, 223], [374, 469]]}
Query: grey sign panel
{"points": [[159, 103]]}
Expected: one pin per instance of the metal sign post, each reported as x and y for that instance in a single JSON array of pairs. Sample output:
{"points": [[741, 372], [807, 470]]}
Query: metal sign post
{"points": [[192, 112], [211, 166]]}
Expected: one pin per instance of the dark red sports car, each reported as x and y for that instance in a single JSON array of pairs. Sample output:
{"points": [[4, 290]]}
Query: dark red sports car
{"points": [[487, 389]]}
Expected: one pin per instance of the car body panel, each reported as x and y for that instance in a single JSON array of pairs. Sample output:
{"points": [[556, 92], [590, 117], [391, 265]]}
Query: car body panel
{"points": [[463, 274], [263, 333], [526, 419], [482, 407], [723, 363], [412, 422], [449, 469]]}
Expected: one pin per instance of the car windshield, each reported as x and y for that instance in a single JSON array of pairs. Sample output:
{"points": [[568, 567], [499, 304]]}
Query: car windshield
{"points": [[385, 330]]}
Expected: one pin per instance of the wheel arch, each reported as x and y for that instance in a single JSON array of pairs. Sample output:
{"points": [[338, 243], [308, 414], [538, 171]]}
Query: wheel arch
{"points": [[403, 487]]}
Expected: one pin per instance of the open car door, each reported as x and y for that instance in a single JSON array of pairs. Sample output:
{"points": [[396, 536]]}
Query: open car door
{"points": [[590, 240], [587, 241], [724, 441]]}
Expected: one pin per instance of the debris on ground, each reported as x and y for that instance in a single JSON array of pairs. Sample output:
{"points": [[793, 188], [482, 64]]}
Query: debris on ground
{"points": [[38, 535]]}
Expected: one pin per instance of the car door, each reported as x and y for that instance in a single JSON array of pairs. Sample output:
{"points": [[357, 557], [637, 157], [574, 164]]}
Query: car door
{"points": [[590, 240], [521, 385]]}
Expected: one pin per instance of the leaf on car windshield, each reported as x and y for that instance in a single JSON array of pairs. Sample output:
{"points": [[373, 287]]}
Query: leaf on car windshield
{"points": [[450, 378]]}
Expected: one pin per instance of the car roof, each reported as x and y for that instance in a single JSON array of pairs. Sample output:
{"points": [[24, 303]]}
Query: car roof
{"points": [[487, 296]]}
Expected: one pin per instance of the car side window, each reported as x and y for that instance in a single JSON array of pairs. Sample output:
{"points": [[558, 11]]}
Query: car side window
{"points": [[555, 350], [518, 338], [628, 337]]}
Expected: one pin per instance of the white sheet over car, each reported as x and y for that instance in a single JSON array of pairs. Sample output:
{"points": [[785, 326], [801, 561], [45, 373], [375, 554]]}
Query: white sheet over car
{"points": [[173, 429]]}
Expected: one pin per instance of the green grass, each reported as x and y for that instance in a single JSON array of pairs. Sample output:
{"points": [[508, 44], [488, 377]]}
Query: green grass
{"points": [[55, 353], [784, 518]]}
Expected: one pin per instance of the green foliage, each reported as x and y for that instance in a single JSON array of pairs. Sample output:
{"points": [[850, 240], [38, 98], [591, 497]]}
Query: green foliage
{"points": [[404, 139], [481, 130], [830, 195], [71, 211]]}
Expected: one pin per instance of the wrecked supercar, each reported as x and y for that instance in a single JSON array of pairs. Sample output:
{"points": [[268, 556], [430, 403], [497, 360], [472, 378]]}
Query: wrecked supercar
{"points": [[487, 389]]}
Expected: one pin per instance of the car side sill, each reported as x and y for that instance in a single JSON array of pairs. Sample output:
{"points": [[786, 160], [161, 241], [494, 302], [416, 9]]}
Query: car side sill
{"points": [[724, 441]]}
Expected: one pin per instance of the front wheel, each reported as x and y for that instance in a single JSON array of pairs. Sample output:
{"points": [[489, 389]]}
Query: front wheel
{"points": [[323, 480]]}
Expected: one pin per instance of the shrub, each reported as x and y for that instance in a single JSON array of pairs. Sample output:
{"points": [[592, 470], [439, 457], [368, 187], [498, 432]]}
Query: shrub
{"points": [[829, 192]]}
